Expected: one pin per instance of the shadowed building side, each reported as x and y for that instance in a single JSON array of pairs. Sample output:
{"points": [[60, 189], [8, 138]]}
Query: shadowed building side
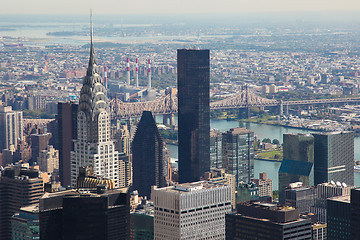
{"points": [[149, 166]]}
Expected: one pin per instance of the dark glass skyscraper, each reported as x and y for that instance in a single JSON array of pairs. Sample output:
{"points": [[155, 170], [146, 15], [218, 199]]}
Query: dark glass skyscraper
{"points": [[194, 113], [334, 157], [149, 167], [297, 165]]}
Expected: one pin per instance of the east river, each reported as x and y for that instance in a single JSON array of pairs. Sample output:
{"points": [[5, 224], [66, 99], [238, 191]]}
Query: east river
{"points": [[265, 131]]}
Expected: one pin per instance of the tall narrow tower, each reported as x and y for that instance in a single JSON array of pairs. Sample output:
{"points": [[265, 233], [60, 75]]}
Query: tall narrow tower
{"points": [[128, 71], [149, 74], [93, 146], [137, 73], [194, 113]]}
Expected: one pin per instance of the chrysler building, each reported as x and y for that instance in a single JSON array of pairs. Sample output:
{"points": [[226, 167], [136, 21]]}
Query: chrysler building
{"points": [[93, 146]]}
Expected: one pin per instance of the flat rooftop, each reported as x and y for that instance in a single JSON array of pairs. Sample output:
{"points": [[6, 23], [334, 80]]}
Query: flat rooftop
{"points": [[191, 187]]}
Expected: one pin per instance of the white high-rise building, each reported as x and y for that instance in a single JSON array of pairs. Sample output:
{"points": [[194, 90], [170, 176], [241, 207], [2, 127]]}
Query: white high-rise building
{"points": [[93, 146], [11, 127], [191, 211]]}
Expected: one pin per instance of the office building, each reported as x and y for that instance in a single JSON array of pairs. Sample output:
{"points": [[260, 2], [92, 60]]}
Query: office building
{"points": [[194, 113], [298, 161], [247, 192], [48, 159], [355, 216], [93, 146], [91, 215], [334, 157], [191, 211], [338, 218], [39, 142], [323, 192], [149, 167], [19, 187], [300, 197], [11, 127], [264, 184], [215, 150], [67, 132], [25, 223], [238, 153], [266, 221], [319, 231], [142, 221], [220, 176]]}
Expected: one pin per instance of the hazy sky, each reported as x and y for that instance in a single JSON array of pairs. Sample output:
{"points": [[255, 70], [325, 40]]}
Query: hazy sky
{"points": [[172, 6]]}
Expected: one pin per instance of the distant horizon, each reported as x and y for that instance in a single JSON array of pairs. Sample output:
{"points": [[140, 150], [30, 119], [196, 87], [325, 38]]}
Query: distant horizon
{"points": [[304, 16]]}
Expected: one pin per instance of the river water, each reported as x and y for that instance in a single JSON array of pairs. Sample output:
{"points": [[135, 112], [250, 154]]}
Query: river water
{"points": [[265, 131]]}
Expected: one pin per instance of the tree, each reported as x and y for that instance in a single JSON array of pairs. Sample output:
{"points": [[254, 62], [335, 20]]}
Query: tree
{"points": [[266, 140], [275, 141]]}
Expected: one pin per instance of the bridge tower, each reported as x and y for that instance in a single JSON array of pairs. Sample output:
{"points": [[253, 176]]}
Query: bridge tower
{"points": [[247, 102], [281, 108]]}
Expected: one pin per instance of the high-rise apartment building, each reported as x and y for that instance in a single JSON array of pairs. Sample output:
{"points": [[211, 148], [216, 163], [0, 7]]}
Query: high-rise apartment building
{"points": [[191, 211], [338, 218], [194, 113], [149, 166], [298, 161], [76, 214], [238, 154], [19, 187], [11, 127], [39, 142], [334, 157], [264, 184], [93, 146], [215, 150], [267, 221], [67, 131], [48, 159]]}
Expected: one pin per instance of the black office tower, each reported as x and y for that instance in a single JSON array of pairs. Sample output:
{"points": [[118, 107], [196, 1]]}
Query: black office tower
{"points": [[194, 113], [83, 214], [67, 131], [149, 166], [334, 157]]}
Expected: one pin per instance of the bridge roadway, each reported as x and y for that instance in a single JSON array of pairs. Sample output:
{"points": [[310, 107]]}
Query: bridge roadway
{"points": [[167, 105]]}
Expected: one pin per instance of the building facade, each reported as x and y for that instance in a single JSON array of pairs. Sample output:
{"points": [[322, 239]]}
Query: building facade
{"points": [[300, 197], [93, 146], [298, 162], [67, 132], [238, 154], [355, 209], [338, 218], [48, 159], [264, 184], [334, 157], [149, 165], [19, 187], [191, 211], [194, 113], [11, 127], [25, 223], [215, 150], [76, 214], [266, 221]]}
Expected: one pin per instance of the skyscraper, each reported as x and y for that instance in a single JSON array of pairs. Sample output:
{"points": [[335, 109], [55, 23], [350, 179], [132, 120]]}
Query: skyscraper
{"points": [[67, 131], [297, 165], [19, 187], [149, 167], [334, 157], [339, 218], [355, 216], [215, 150], [194, 113], [191, 211], [238, 153], [93, 146], [75, 214], [11, 127]]}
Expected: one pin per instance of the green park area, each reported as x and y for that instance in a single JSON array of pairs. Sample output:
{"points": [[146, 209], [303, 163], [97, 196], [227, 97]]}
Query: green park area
{"points": [[270, 155]]}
